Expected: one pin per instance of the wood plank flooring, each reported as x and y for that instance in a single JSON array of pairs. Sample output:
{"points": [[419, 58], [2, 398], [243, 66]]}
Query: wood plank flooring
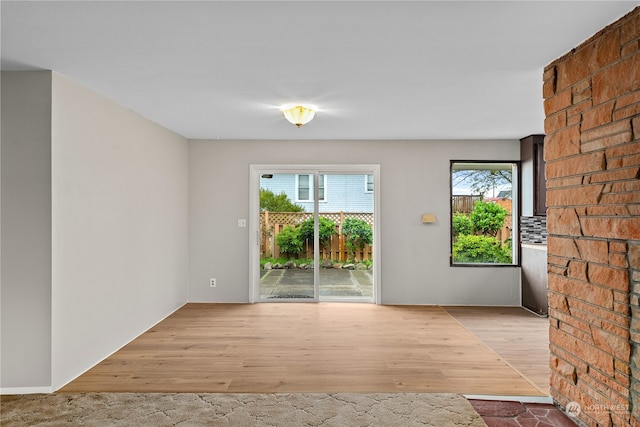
{"points": [[302, 347], [520, 337]]}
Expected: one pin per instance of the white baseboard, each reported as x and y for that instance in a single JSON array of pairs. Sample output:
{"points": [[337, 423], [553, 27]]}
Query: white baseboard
{"points": [[25, 390]]}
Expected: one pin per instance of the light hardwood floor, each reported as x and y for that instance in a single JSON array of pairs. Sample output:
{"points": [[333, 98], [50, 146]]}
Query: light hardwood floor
{"points": [[519, 336], [323, 347]]}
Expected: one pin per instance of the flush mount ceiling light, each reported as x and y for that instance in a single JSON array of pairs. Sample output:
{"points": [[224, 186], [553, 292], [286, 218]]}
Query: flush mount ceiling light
{"points": [[299, 114]]}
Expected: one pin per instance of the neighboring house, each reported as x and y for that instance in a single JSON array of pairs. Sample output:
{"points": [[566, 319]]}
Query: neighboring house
{"points": [[504, 194], [346, 193]]}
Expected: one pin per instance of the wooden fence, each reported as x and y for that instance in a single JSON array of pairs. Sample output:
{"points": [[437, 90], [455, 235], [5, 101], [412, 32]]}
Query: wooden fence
{"points": [[272, 223], [506, 231], [464, 203]]}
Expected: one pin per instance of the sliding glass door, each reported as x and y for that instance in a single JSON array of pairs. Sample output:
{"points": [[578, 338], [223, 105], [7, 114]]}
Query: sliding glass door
{"points": [[314, 234], [345, 227], [287, 235]]}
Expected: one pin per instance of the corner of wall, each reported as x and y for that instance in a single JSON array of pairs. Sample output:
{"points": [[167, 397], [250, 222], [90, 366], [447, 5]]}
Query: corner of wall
{"points": [[26, 231]]}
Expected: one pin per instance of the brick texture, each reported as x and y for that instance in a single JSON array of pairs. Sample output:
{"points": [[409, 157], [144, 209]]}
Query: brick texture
{"points": [[592, 153]]}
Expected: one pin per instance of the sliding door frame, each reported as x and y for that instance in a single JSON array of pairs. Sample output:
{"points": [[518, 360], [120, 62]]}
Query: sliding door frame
{"points": [[256, 170]]}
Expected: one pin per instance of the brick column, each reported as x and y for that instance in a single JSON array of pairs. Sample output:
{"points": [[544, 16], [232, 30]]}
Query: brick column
{"points": [[634, 262], [592, 151]]}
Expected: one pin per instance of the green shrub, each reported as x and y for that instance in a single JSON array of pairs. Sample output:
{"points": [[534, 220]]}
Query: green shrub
{"points": [[289, 241], [282, 260], [357, 233], [487, 218], [480, 249], [326, 229], [461, 224]]}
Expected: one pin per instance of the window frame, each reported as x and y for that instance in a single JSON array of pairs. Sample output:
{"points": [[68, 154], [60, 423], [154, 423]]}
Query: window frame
{"points": [[516, 207], [366, 184], [322, 185]]}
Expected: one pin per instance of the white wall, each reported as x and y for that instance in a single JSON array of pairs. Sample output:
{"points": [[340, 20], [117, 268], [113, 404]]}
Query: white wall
{"points": [[120, 227], [94, 229], [25, 286], [414, 180]]}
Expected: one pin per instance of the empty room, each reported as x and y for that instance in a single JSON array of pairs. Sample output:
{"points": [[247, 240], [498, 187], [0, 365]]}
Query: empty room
{"points": [[329, 204]]}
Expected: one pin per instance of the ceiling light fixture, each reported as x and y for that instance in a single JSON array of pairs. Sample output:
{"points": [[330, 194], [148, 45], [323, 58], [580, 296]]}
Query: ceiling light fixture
{"points": [[299, 114]]}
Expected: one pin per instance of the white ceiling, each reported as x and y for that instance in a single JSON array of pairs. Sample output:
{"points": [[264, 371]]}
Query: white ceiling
{"points": [[375, 69]]}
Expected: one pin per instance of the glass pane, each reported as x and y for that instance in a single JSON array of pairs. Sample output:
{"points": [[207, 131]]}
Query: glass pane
{"points": [[370, 183], [286, 248], [292, 265], [483, 209], [346, 240], [303, 187], [321, 186]]}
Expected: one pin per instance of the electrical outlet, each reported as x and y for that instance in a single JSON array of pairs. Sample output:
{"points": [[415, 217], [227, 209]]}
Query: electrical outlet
{"points": [[212, 283]]}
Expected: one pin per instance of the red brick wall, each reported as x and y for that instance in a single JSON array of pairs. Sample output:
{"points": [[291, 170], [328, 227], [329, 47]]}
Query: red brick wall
{"points": [[592, 150]]}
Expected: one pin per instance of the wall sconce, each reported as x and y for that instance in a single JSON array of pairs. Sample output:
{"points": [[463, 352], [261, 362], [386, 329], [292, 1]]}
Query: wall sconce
{"points": [[299, 114]]}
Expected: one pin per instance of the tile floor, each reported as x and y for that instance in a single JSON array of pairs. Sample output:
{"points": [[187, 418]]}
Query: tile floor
{"points": [[517, 414]]}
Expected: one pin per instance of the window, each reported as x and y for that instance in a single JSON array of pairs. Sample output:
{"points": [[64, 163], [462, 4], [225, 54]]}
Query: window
{"points": [[368, 183], [322, 183], [304, 190], [304, 187], [484, 213]]}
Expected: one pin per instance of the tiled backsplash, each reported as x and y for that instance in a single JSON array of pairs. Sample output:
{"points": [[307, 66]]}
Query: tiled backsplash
{"points": [[533, 230]]}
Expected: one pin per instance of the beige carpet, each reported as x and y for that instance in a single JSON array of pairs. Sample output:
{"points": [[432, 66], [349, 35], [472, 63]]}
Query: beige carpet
{"points": [[212, 409]]}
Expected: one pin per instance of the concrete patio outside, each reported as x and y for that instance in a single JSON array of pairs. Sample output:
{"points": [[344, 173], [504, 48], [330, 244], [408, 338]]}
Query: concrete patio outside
{"points": [[334, 284]]}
